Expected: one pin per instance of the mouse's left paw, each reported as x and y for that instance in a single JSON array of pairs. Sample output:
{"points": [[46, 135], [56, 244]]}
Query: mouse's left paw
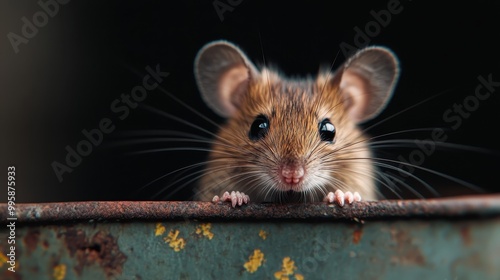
{"points": [[236, 198], [341, 198]]}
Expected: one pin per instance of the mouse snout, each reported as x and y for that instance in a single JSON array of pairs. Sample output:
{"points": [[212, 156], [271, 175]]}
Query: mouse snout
{"points": [[292, 173]]}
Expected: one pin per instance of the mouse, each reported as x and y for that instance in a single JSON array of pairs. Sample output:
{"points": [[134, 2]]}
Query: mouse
{"points": [[291, 139]]}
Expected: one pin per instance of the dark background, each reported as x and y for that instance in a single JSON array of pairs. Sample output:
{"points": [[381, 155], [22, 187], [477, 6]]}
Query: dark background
{"points": [[90, 52]]}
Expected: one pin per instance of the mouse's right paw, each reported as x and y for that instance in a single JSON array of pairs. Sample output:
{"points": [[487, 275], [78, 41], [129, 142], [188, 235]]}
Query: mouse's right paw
{"points": [[236, 198], [340, 197]]}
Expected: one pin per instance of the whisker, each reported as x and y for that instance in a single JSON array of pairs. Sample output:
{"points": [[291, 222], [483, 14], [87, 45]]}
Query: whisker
{"points": [[350, 144], [437, 173], [149, 140], [127, 142], [243, 175], [369, 175], [426, 185], [407, 109], [173, 97], [188, 167], [197, 177], [198, 174], [177, 149], [412, 143], [177, 119], [329, 72], [264, 61], [159, 132], [268, 185], [402, 131], [388, 177], [337, 184]]}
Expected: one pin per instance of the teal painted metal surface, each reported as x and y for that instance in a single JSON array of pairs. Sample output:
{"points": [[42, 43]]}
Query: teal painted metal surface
{"points": [[463, 247]]}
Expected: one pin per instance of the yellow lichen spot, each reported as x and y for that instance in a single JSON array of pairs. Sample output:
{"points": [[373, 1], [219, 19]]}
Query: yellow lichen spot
{"points": [[288, 269], [3, 259], [59, 272], [288, 266], [254, 261], [160, 229], [204, 229], [174, 241], [263, 234]]}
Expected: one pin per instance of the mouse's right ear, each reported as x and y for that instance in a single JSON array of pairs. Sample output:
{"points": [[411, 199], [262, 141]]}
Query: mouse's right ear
{"points": [[223, 74], [367, 81]]}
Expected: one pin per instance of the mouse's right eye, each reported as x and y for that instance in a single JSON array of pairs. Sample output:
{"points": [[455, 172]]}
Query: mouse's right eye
{"points": [[259, 128], [327, 131]]}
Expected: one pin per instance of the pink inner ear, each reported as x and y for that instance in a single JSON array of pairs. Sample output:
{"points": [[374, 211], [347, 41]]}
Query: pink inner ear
{"points": [[355, 91], [230, 87]]}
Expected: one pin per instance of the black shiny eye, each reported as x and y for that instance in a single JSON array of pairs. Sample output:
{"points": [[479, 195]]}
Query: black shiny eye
{"points": [[259, 128], [327, 131]]}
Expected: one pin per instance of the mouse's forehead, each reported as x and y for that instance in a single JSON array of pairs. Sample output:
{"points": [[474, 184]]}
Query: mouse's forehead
{"points": [[290, 98]]}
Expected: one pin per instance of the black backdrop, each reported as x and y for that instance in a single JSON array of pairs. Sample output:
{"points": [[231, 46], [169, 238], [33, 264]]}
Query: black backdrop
{"points": [[87, 53]]}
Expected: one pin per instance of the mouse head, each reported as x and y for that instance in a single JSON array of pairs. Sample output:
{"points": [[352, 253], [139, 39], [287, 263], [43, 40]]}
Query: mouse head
{"points": [[293, 135]]}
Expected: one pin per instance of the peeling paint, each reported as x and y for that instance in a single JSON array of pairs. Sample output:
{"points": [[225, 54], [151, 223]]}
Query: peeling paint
{"points": [[254, 261], [101, 249], [204, 230], [407, 252], [174, 241], [31, 240], [59, 272]]}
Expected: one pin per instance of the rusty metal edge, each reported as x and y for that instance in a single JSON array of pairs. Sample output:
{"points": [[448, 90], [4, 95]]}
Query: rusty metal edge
{"points": [[95, 211]]}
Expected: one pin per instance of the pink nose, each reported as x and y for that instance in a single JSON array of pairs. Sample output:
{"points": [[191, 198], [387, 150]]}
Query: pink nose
{"points": [[292, 174]]}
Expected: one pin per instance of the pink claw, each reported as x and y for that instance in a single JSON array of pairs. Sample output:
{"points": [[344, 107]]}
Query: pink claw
{"points": [[340, 197], [236, 198]]}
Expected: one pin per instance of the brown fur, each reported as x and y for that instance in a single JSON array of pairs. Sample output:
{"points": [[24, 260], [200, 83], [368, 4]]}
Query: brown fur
{"points": [[294, 109]]}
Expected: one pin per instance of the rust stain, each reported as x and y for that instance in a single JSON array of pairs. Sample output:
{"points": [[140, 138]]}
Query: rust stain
{"points": [[466, 235], [357, 234], [288, 269], [174, 241], [406, 252], [59, 272], [204, 230], [102, 249], [263, 234], [31, 240], [473, 261], [254, 261]]}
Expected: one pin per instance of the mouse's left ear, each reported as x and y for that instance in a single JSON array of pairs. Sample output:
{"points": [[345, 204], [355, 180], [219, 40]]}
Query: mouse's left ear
{"points": [[223, 73], [367, 81]]}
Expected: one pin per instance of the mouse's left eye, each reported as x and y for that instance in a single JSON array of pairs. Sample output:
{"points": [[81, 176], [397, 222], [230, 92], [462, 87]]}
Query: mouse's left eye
{"points": [[259, 128], [327, 131]]}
